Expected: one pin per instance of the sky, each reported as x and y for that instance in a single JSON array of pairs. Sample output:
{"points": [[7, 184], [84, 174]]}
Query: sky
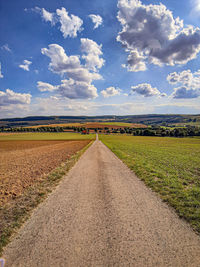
{"points": [[99, 57]]}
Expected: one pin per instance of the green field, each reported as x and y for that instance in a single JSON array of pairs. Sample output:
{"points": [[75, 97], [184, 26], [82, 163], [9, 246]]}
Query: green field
{"points": [[46, 136], [170, 166]]}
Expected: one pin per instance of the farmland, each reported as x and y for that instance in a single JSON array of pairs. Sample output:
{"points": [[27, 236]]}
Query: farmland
{"points": [[151, 119], [44, 136], [92, 125], [31, 165], [170, 166], [24, 162]]}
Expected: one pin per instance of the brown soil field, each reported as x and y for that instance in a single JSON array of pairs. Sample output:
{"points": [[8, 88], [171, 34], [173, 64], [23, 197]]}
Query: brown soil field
{"points": [[24, 162]]}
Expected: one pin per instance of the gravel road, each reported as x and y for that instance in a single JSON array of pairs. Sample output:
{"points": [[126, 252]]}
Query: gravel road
{"points": [[101, 214]]}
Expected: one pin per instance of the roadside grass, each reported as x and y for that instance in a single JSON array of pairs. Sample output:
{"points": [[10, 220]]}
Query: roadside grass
{"points": [[170, 166], [16, 212], [46, 136]]}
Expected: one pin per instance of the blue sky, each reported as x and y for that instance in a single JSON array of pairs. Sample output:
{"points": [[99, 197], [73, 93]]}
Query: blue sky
{"points": [[99, 57]]}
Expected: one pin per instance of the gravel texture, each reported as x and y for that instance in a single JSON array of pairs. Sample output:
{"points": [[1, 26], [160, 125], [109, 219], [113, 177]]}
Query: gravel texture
{"points": [[103, 215]]}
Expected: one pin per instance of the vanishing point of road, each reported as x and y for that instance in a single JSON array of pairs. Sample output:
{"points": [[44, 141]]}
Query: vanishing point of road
{"points": [[101, 214]]}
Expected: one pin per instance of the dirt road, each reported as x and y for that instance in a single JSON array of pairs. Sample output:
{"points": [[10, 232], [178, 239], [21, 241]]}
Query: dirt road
{"points": [[102, 215]]}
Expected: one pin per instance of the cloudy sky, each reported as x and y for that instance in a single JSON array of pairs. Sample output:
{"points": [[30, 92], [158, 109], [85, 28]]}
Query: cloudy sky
{"points": [[99, 57]]}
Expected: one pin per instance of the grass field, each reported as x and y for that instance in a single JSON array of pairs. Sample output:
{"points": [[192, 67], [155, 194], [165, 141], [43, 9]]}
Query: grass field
{"points": [[46, 136], [170, 166]]}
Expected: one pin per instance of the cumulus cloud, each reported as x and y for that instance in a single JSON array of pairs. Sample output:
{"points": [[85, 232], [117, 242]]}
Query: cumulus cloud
{"points": [[92, 52], [6, 48], [146, 90], [96, 19], [1, 75], [185, 92], [10, 97], [75, 89], [189, 84], [70, 88], [110, 91], [26, 65], [70, 25], [70, 65], [80, 77], [151, 35], [45, 87], [46, 15], [60, 62]]}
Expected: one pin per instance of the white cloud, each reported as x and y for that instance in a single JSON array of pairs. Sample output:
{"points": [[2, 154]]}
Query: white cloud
{"points": [[151, 35], [48, 16], [80, 78], [135, 62], [1, 75], [189, 84], [10, 97], [70, 65], [185, 92], [146, 90], [60, 62], [96, 19], [110, 91], [74, 89], [45, 87], [6, 47], [92, 54], [26, 65], [70, 25]]}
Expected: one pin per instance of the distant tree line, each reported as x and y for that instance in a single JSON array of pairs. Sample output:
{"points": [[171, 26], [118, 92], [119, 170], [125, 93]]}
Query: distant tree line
{"points": [[43, 129], [160, 131], [150, 131]]}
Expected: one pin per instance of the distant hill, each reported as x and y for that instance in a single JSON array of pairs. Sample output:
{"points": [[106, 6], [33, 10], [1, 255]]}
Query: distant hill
{"points": [[151, 119]]}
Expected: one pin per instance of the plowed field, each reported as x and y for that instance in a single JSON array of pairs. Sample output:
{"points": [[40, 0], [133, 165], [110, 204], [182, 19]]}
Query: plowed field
{"points": [[24, 162]]}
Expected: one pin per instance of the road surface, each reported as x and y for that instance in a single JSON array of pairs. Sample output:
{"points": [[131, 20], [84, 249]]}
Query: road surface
{"points": [[101, 214]]}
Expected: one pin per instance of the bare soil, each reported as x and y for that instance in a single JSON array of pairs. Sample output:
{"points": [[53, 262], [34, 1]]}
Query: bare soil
{"points": [[22, 163]]}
